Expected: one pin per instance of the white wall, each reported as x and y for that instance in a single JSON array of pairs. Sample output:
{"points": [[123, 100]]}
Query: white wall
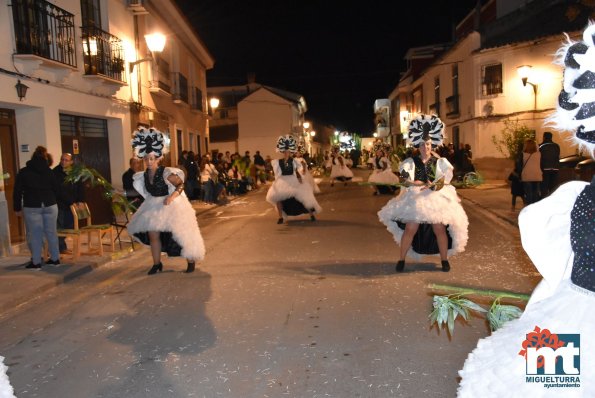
{"points": [[263, 117]]}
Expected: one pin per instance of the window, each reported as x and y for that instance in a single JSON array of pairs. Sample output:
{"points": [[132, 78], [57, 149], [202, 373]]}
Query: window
{"points": [[437, 95], [79, 126], [455, 79], [492, 79], [91, 13]]}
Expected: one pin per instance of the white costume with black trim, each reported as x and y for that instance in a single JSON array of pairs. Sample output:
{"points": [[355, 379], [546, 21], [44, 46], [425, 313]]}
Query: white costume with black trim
{"points": [[178, 217], [558, 234], [288, 186], [307, 176], [425, 206], [495, 368], [338, 171], [383, 173]]}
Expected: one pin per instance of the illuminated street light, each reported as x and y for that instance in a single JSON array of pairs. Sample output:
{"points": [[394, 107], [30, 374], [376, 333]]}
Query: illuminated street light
{"points": [[312, 133]]}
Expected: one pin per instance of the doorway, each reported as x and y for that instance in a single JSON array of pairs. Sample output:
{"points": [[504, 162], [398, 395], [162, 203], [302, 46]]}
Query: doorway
{"points": [[10, 162]]}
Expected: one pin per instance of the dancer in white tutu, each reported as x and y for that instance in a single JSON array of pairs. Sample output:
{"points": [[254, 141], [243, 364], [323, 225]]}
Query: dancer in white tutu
{"points": [[383, 173], [339, 169], [558, 234], [290, 195], [305, 173], [426, 218], [166, 220]]}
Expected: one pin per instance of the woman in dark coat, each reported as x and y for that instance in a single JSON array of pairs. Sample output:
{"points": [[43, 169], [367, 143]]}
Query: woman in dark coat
{"points": [[34, 198]]}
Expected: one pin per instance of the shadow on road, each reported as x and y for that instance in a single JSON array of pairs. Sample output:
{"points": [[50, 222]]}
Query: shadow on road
{"points": [[165, 326], [364, 269]]}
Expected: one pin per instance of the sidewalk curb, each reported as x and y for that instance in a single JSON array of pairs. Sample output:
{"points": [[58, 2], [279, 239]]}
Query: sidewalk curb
{"points": [[76, 269], [514, 223], [72, 274]]}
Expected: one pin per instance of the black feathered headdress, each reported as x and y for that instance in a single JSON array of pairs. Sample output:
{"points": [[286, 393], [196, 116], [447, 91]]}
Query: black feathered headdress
{"points": [[286, 143], [426, 127], [576, 103], [147, 140]]}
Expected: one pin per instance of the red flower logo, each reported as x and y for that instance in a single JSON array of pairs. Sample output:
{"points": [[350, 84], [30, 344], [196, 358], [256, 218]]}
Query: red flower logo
{"points": [[541, 338]]}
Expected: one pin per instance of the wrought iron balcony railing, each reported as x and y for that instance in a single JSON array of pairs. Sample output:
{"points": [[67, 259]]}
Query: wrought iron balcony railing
{"points": [[44, 30], [103, 54], [180, 87], [452, 106], [196, 98]]}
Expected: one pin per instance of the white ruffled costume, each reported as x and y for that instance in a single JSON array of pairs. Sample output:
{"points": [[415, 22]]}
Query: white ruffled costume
{"points": [[288, 186], [6, 390], [495, 368], [386, 176], [307, 176], [178, 217], [418, 205], [338, 171]]}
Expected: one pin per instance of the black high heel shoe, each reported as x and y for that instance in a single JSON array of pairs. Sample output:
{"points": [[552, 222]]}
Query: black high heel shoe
{"points": [[190, 268], [400, 266], [155, 268], [280, 220], [445, 266]]}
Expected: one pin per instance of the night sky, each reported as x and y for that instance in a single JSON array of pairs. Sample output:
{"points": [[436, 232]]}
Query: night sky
{"points": [[339, 56]]}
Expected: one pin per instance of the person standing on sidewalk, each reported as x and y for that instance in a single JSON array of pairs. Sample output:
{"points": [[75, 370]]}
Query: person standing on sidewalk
{"points": [[34, 198], [550, 164], [166, 220], [427, 217], [531, 174], [70, 193]]}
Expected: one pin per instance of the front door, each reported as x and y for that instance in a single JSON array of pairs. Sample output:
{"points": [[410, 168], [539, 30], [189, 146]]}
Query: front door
{"points": [[87, 140], [10, 168]]}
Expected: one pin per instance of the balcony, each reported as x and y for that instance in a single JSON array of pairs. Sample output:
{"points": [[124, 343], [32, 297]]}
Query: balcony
{"points": [[103, 55], [44, 31], [452, 107], [161, 83], [196, 99], [435, 109], [180, 88]]}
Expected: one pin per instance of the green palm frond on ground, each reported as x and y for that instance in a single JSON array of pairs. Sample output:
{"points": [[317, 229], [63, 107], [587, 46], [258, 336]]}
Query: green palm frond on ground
{"points": [[447, 308]]}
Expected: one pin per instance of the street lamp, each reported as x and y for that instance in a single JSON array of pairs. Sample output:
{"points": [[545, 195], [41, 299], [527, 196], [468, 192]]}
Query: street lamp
{"points": [[214, 103], [312, 133], [306, 125], [155, 43], [21, 90], [524, 71]]}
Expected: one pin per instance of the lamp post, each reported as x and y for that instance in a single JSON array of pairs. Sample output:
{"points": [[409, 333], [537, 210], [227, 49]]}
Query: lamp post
{"points": [[214, 103], [155, 43], [524, 71], [21, 90]]}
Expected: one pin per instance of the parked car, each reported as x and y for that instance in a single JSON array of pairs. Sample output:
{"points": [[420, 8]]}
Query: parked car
{"points": [[567, 168], [585, 169]]}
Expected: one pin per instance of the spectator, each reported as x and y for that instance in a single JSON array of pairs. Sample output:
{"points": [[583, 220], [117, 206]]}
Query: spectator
{"points": [[34, 197], [531, 174], [133, 196], [69, 194], [259, 164], [550, 164], [191, 184]]}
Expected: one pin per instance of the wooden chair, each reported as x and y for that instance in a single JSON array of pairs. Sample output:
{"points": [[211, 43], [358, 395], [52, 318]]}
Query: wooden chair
{"points": [[82, 215]]}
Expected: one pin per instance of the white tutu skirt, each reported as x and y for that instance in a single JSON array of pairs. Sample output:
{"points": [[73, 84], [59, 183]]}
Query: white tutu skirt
{"points": [[383, 177], [424, 206], [341, 172], [308, 179], [287, 187], [495, 368], [178, 218]]}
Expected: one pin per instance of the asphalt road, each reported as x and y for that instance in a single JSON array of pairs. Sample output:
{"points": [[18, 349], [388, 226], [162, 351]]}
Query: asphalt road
{"points": [[304, 309]]}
